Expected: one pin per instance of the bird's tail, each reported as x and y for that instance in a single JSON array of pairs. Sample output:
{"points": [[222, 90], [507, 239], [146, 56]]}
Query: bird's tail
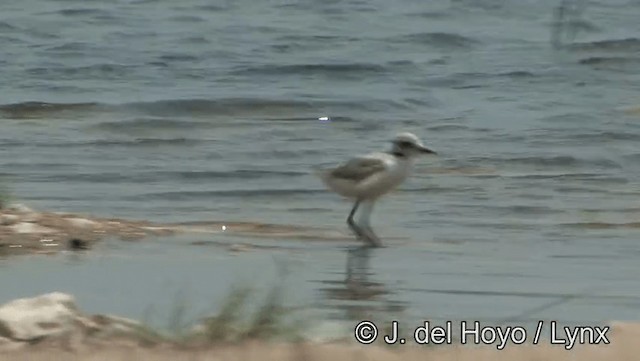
{"points": [[319, 172]]}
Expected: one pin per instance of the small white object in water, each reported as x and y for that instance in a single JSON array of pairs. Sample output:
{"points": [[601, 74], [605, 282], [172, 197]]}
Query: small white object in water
{"points": [[366, 178], [45, 240], [224, 228], [324, 119]]}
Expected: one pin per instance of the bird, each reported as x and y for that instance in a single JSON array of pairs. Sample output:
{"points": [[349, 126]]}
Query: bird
{"points": [[366, 178]]}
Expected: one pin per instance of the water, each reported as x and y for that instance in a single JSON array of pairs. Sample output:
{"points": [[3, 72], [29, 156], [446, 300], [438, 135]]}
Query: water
{"points": [[184, 111]]}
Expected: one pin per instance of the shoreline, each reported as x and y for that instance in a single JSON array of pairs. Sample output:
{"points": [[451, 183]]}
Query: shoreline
{"points": [[27, 231]]}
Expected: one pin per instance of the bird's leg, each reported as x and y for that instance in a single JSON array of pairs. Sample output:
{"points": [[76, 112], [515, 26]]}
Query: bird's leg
{"points": [[354, 227], [364, 221]]}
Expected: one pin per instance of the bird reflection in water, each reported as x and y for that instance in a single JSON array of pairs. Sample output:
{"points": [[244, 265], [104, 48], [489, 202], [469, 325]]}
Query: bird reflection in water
{"points": [[358, 296]]}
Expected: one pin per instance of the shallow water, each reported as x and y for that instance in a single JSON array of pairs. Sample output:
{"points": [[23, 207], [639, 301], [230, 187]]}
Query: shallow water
{"points": [[189, 111]]}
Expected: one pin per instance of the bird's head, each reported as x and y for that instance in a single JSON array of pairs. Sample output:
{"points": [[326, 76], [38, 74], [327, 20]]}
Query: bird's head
{"points": [[409, 145]]}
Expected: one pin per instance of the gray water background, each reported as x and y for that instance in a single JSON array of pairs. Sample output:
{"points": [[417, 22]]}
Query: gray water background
{"points": [[195, 110]]}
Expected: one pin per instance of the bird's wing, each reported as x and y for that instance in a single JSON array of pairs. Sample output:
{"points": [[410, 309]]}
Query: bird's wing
{"points": [[358, 169]]}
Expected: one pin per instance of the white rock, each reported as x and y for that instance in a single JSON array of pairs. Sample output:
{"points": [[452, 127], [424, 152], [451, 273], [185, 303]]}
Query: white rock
{"points": [[8, 219], [10, 345], [56, 317], [82, 222], [31, 318]]}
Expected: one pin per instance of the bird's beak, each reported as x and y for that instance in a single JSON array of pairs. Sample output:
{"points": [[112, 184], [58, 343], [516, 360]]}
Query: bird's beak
{"points": [[426, 150]]}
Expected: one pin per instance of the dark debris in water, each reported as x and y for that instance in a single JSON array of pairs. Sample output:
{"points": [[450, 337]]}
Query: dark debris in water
{"points": [[78, 244]]}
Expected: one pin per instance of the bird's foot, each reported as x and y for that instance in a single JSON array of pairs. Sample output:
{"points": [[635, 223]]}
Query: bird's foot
{"points": [[365, 234], [372, 239]]}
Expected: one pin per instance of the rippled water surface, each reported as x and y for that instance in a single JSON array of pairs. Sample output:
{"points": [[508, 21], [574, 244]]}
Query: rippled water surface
{"points": [[197, 110]]}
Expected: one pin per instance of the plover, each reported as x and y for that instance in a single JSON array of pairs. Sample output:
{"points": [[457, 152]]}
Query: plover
{"points": [[366, 178]]}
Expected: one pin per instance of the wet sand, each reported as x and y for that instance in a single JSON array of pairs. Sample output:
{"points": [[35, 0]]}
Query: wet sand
{"points": [[623, 347], [26, 231]]}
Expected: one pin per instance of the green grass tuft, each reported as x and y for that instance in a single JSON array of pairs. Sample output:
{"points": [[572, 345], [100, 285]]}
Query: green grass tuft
{"points": [[241, 317], [235, 322], [226, 325]]}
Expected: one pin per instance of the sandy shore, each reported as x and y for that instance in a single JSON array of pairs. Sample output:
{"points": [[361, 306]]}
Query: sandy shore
{"points": [[623, 347], [52, 326]]}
